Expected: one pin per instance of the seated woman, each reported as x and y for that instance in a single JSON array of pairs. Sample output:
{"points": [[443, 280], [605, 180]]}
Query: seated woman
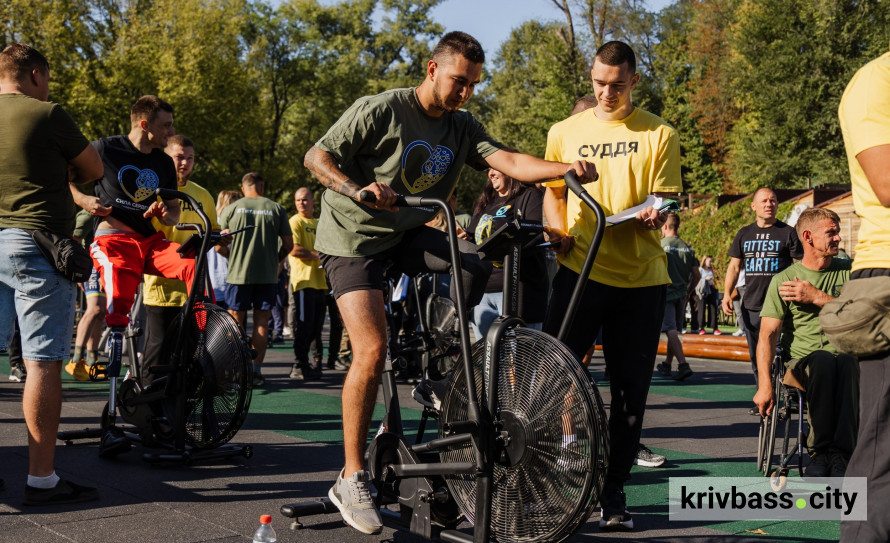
{"points": [[502, 199]]}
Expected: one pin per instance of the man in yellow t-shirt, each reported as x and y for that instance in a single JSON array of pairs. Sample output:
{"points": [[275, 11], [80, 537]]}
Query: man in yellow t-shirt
{"points": [[163, 298], [307, 283], [865, 122], [636, 154]]}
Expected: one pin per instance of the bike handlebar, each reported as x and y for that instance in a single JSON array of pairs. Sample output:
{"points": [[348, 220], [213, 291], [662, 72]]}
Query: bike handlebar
{"points": [[407, 201]]}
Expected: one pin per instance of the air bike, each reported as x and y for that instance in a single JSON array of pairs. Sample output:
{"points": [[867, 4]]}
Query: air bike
{"points": [[502, 459], [199, 396]]}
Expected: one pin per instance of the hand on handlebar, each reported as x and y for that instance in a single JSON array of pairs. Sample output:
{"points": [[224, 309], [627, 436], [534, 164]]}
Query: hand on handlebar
{"points": [[585, 171], [384, 197]]}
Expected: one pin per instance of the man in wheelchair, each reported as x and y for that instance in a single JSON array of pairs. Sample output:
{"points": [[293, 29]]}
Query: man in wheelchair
{"points": [[830, 380]]}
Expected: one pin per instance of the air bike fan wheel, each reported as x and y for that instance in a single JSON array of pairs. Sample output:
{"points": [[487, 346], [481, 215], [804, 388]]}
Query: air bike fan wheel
{"points": [[216, 372], [545, 485]]}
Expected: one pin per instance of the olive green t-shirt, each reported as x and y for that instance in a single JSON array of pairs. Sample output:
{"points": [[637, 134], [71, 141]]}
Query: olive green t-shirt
{"points": [[388, 138], [37, 140], [680, 261], [801, 331], [253, 254]]}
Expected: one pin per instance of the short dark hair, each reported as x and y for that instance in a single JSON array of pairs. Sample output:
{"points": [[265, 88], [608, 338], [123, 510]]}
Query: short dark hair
{"points": [[672, 221], [17, 60], [616, 53], [180, 140], [147, 107], [252, 179], [461, 43]]}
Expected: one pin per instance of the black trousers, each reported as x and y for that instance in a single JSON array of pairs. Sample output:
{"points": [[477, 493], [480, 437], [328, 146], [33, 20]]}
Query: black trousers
{"points": [[871, 457], [157, 322], [751, 324], [630, 319], [309, 304]]}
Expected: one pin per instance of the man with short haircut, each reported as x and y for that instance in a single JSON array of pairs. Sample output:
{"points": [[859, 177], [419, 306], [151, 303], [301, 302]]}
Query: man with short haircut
{"points": [[791, 308], [254, 256], [637, 154], [40, 145], [411, 141], [762, 249], [308, 286], [683, 270], [865, 123], [126, 244], [163, 298]]}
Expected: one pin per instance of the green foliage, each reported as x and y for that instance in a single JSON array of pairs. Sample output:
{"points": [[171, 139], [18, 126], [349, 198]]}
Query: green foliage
{"points": [[709, 230], [793, 61]]}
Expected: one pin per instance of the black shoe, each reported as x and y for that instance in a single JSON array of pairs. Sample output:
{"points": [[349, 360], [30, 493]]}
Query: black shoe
{"points": [[17, 374], [332, 364], [312, 373], [819, 466], [63, 492], [683, 371], [837, 465], [113, 443], [613, 513]]}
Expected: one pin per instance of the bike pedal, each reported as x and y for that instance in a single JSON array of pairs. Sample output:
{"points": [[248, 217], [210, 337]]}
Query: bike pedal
{"points": [[98, 372]]}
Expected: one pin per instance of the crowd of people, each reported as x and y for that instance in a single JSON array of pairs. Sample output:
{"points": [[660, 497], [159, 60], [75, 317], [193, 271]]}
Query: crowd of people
{"points": [[339, 262]]}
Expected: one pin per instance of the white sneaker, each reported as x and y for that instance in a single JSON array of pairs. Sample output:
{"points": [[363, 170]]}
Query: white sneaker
{"points": [[287, 332], [353, 498], [738, 333]]}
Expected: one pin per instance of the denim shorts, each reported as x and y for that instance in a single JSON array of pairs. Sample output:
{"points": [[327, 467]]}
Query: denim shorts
{"points": [[31, 288]]}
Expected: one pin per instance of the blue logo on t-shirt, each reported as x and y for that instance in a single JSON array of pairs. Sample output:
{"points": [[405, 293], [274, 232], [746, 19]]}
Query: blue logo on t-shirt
{"points": [[436, 164], [138, 184]]}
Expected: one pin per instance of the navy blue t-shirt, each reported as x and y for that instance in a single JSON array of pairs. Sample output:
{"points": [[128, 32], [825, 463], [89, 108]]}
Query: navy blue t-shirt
{"points": [[764, 252], [130, 180]]}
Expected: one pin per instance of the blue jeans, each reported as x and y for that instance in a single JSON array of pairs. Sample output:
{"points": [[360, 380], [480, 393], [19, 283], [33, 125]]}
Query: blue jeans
{"points": [[487, 310], [31, 288]]}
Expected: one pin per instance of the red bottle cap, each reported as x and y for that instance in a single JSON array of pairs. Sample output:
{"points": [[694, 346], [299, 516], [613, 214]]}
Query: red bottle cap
{"points": [[265, 519]]}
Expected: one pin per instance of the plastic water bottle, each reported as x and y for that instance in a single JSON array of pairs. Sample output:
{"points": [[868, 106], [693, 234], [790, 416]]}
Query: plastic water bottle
{"points": [[265, 533]]}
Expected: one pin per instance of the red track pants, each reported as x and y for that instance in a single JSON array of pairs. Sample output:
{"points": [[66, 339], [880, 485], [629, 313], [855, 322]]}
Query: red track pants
{"points": [[122, 259]]}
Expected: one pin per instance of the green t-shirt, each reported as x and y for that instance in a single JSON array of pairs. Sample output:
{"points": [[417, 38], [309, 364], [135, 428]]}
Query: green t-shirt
{"points": [[37, 140], [253, 254], [801, 332], [680, 262], [389, 139]]}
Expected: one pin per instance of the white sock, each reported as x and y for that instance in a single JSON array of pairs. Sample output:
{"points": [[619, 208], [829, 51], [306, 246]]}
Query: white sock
{"points": [[50, 481], [566, 439]]}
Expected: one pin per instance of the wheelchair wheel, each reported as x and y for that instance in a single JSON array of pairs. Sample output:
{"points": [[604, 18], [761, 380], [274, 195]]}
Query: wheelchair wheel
{"points": [[544, 488], [769, 432], [215, 379]]}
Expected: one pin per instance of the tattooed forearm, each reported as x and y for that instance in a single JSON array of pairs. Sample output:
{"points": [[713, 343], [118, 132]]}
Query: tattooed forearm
{"points": [[324, 168]]}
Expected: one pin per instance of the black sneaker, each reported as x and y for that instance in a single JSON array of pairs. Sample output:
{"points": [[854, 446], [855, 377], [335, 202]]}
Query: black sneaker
{"points": [[613, 512], [645, 457], [819, 466], [296, 373], [113, 443], [683, 371], [17, 374], [837, 465], [331, 364], [429, 393], [63, 492]]}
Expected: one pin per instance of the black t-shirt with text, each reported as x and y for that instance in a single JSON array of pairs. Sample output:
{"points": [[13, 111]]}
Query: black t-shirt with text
{"points": [[764, 252], [533, 266], [130, 180]]}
